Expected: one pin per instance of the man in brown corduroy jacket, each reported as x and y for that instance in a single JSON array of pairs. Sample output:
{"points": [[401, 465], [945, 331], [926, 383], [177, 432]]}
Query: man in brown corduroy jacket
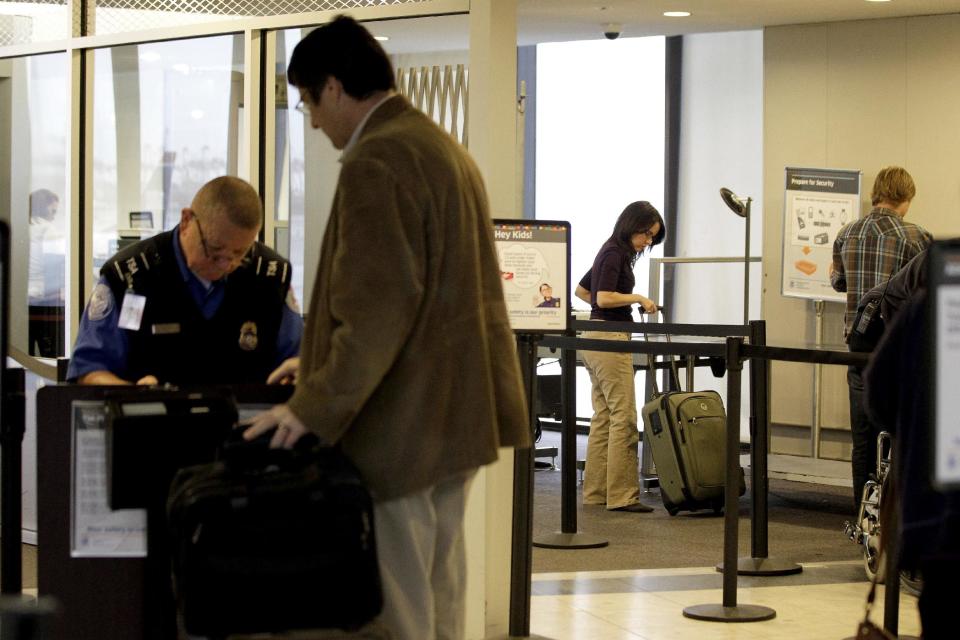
{"points": [[408, 360]]}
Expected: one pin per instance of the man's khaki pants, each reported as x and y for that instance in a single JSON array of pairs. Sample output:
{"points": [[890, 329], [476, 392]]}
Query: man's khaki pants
{"points": [[611, 476]]}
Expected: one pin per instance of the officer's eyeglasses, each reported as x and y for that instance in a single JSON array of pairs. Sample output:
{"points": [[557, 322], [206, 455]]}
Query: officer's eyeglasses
{"points": [[216, 254]]}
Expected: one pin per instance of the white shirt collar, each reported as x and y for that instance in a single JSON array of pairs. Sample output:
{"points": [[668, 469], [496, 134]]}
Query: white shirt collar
{"points": [[359, 128]]}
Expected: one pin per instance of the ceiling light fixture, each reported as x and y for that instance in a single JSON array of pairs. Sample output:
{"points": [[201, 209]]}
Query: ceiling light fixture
{"points": [[381, 38], [676, 14]]}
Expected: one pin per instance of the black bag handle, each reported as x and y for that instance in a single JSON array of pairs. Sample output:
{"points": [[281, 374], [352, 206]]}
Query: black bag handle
{"points": [[241, 455]]}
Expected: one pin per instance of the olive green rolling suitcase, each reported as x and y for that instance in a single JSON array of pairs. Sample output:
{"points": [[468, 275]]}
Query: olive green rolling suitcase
{"points": [[686, 433]]}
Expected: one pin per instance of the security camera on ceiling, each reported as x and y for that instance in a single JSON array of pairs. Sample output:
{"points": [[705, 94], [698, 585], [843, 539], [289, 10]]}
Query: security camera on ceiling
{"points": [[611, 30]]}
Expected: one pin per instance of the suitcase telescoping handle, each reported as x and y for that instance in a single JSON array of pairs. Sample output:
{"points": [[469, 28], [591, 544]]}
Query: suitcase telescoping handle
{"points": [[651, 359]]}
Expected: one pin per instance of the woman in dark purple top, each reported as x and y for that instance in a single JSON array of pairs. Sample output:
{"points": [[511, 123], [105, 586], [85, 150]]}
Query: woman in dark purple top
{"points": [[611, 476]]}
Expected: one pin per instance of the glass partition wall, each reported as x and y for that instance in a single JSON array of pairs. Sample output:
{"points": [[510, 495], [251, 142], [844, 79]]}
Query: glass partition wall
{"points": [[166, 120], [33, 183], [106, 143]]}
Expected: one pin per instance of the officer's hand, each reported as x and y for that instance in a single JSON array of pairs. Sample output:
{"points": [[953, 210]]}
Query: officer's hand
{"points": [[148, 381], [286, 373], [289, 428]]}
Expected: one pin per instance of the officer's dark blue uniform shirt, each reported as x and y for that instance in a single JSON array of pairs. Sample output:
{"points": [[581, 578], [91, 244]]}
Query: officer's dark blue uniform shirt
{"points": [[102, 345]]}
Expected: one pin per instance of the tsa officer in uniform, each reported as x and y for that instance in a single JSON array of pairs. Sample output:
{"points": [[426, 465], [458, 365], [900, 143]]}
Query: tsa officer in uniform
{"points": [[201, 303]]}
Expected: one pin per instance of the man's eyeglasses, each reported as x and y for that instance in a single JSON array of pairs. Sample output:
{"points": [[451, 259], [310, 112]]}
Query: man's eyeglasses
{"points": [[217, 255], [302, 108]]}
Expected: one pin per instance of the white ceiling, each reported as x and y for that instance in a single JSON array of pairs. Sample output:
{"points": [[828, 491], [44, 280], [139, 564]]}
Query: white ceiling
{"points": [[559, 20], [563, 20]]}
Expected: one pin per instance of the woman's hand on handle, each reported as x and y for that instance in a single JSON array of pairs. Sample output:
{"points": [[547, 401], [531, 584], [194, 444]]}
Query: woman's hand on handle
{"points": [[648, 305]]}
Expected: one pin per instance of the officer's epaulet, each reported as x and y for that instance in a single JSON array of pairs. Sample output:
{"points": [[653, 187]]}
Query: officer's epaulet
{"points": [[131, 263], [267, 263]]}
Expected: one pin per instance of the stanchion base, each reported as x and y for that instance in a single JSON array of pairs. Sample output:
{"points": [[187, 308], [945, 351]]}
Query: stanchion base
{"points": [[738, 613], [560, 540], [764, 567]]}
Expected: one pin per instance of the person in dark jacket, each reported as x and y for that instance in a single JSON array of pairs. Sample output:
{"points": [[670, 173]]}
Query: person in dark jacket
{"points": [[898, 398]]}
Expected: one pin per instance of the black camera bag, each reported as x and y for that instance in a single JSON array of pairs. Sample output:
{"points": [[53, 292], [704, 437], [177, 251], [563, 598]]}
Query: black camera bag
{"points": [[270, 540]]}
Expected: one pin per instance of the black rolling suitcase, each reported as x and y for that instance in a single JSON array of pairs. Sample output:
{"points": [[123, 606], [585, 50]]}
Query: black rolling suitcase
{"points": [[686, 433], [273, 540]]}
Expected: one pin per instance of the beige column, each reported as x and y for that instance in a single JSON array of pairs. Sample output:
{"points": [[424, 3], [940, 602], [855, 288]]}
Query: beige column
{"points": [[491, 140]]}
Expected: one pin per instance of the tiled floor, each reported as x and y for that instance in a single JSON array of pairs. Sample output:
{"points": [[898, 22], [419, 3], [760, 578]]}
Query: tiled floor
{"points": [[825, 601]]}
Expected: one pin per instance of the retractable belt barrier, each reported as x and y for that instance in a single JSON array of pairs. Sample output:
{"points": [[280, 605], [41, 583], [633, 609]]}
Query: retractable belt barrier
{"points": [[734, 351]]}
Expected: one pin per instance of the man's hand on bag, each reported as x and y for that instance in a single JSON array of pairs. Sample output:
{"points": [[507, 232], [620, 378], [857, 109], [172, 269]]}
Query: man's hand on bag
{"points": [[289, 428], [286, 373]]}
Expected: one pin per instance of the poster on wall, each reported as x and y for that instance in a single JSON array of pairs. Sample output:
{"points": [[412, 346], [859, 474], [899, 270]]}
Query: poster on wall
{"points": [[534, 257], [944, 356], [817, 203]]}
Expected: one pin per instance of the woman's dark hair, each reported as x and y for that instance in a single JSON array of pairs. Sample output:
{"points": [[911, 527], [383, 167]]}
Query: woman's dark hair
{"points": [[40, 201], [345, 50], [637, 217]]}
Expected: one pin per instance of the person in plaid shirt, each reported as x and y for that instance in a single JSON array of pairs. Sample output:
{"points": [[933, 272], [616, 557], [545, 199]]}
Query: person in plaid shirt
{"points": [[866, 253]]}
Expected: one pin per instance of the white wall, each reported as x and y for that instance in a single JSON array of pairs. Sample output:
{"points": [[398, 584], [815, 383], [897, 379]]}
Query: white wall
{"points": [[855, 95], [721, 140], [600, 128]]}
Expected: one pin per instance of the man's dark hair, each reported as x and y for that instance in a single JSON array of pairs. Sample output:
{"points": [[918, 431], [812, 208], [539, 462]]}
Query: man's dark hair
{"points": [[345, 50]]}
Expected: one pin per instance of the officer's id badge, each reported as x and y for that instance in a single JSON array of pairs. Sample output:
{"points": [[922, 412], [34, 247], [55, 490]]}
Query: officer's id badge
{"points": [[131, 312], [101, 303], [248, 336]]}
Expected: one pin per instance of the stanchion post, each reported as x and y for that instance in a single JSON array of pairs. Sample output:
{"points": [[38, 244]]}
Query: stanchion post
{"points": [[729, 611], [759, 564], [521, 557], [731, 512], [12, 428], [759, 372], [568, 537], [568, 442]]}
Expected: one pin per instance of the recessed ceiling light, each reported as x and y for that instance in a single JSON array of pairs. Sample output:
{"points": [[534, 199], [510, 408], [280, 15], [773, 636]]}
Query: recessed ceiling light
{"points": [[381, 38], [878, 0], [676, 14]]}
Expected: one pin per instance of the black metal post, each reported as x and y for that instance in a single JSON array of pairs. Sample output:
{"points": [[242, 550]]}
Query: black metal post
{"points": [[521, 557], [759, 564], [568, 442], [731, 511], [729, 611], [12, 428], [568, 537]]}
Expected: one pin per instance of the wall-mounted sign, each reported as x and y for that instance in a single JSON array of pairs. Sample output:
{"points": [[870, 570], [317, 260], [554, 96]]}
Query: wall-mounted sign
{"points": [[534, 257], [817, 204]]}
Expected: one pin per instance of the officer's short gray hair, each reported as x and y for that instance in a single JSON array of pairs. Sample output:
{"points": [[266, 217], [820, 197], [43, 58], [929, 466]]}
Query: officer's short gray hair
{"points": [[232, 198]]}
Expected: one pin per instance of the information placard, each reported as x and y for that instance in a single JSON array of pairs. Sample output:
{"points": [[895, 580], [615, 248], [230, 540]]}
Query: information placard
{"points": [[817, 204], [96, 531], [944, 312], [534, 257]]}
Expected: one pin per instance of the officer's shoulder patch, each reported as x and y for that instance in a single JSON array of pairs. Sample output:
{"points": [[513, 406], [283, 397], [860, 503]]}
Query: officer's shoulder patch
{"points": [[101, 303]]}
